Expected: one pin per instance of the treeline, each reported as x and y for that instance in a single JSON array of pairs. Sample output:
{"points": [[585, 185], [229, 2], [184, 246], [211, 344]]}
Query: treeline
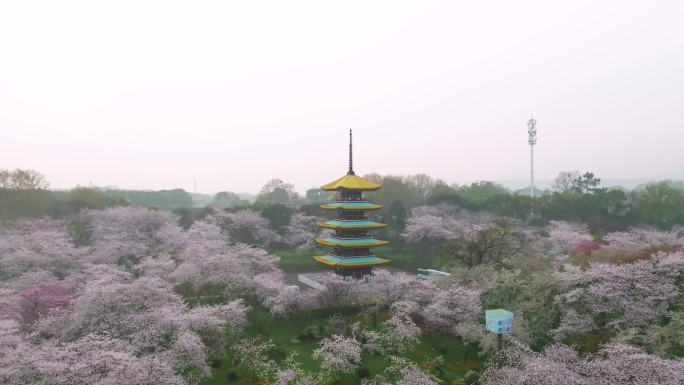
{"points": [[574, 197]]}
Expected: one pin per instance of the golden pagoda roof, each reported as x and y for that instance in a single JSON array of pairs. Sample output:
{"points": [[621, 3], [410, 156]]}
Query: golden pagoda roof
{"points": [[351, 182]]}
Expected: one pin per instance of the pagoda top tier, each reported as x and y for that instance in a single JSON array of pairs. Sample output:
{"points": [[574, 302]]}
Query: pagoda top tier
{"points": [[351, 182]]}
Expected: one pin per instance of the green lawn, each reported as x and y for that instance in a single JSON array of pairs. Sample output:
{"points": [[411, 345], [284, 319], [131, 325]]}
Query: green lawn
{"points": [[284, 333]]}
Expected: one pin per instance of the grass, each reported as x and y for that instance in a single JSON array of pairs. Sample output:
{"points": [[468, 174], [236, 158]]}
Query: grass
{"points": [[458, 358]]}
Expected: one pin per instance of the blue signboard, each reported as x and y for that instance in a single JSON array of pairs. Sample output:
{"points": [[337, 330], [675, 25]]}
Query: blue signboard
{"points": [[499, 321]]}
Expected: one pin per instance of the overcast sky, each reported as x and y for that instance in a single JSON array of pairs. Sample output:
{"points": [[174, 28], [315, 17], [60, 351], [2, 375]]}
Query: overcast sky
{"points": [[147, 94]]}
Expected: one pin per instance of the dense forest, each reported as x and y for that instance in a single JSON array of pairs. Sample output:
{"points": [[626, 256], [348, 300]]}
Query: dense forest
{"points": [[99, 286]]}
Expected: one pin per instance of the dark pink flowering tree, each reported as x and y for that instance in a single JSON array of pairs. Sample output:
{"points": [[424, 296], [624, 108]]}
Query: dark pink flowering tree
{"points": [[39, 299], [586, 247]]}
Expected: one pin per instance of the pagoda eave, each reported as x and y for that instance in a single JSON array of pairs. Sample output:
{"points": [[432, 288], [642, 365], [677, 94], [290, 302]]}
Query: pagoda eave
{"points": [[332, 260], [351, 225], [351, 182], [362, 242], [350, 206]]}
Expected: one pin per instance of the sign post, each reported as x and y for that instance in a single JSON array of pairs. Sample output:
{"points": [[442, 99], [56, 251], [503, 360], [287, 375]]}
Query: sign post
{"points": [[499, 321]]}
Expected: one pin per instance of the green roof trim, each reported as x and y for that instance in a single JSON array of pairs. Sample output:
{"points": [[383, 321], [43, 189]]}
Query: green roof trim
{"points": [[356, 242], [332, 260], [342, 224], [350, 206]]}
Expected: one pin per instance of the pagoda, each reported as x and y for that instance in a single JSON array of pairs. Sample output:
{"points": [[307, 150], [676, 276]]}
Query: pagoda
{"points": [[351, 242]]}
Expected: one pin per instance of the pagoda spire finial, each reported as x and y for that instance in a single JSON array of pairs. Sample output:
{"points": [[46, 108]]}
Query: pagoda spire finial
{"points": [[351, 162]]}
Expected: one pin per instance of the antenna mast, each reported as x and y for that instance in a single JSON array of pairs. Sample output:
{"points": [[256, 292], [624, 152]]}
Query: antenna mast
{"points": [[532, 140], [351, 163]]}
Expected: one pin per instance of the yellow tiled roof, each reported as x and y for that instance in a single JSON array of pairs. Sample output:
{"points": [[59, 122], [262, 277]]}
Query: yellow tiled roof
{"points": [[351, 182]]}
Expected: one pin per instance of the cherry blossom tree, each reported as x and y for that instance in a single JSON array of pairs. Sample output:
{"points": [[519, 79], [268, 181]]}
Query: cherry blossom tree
{"points": [[291, 373], [615, 364], [120, 232], [275, 294], [208, 261], [630, 295], [338, 354], [400, 332], [18, 357], [402, 371], [38, 245], [566, 236], [392, 287], [65, 320], [443, 222], [252, 353], [337, 292], [130, 324], [302, 230], [244, 226], [456, 310], [639, 238]]}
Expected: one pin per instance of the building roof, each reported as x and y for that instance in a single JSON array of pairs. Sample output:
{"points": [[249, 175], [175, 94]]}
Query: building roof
{"points": [[355, 242], [351, 182], [332, 260], [350, 206], [339, 224]]}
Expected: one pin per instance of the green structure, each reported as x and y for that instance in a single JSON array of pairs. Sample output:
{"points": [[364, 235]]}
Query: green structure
{"points": [[351, 243]]}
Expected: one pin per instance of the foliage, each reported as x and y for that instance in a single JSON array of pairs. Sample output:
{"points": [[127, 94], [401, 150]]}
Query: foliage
{"points": [[661, 205], [19, 179], [479, 192], [227, 199], [492, 244], [276, 191], [572, 181]]}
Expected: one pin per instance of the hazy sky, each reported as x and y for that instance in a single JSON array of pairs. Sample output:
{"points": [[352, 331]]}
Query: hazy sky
{"points": [[145, 94]]}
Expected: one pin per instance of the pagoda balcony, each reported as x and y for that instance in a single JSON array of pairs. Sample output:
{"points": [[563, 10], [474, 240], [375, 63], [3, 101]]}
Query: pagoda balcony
{"points": [[365, 255], [350, 196]]}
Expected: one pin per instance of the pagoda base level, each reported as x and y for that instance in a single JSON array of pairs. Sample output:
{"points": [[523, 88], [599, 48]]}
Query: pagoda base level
{"points": [[353, 272]]}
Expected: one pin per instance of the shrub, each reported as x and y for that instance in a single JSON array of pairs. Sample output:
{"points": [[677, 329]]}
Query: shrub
{"points": [[215, 363]]}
